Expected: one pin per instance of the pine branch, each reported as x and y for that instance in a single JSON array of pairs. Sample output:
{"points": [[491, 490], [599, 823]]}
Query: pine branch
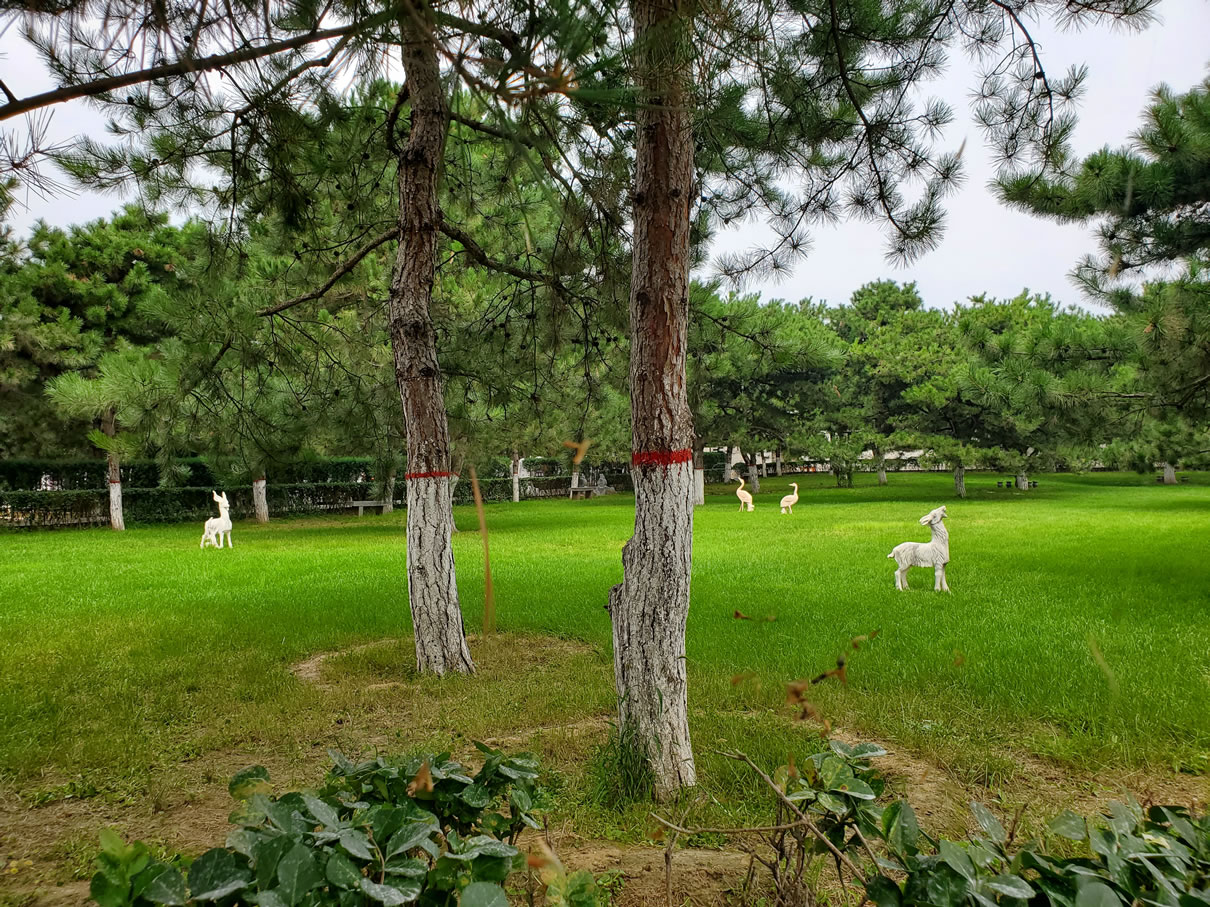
{"points": [[348, 265], [182, 66]]}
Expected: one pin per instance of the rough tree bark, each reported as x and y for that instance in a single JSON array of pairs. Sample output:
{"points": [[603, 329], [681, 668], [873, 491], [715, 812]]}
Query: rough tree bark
{"points": [[960, 481], [388, 493], [753, 478], [777, 460], [650, 607], [1169, 474], [764, 466], [432, 589], [1022, 482], [260, 503], [699, 472], [516, 478], [116, 519]]}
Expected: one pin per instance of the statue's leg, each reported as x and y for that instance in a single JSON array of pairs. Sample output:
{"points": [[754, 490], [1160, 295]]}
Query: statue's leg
{"points": [[901, 574], [938, 577], [945, 587]]}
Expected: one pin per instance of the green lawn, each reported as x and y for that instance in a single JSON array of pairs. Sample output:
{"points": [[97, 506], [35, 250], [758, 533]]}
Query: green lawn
{"points": [[1078, 629]]}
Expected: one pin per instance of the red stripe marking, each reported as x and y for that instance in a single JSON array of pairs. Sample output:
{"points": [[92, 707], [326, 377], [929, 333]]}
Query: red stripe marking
{"points": [[115, 481], [661, 457], [430, 475]]}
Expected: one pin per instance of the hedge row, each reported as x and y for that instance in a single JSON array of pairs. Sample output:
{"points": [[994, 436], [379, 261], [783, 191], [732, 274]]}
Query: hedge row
{"points": [[187, 472], [90, 507]]}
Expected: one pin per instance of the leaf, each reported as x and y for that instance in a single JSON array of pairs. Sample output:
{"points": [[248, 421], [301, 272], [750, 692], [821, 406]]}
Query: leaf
{"points": [[883, 891], [297, 874], [989, 823], [1011, 886], [411, 835], [520, 799], [483, 894], [265, 857], [1068, 825], [216, 874], [867, 751], [243, 841], [112, 843], [407, 866], [957, 859], [168, 887], [270, 898], [108, 893], [1097, 894], [945, 888], [855, 787], [342, 765], [252, 780], [476, 796], [324, 814], [900, 828], [391, 895], [356, 843], [342, 872]]}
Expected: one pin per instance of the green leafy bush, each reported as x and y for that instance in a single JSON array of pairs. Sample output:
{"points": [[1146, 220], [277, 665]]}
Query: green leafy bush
{"points": [[409, 830], [1158, 857]]}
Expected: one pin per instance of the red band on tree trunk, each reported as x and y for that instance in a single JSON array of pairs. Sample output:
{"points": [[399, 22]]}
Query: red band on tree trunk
{"points": [[430, 475], [115, 481], [661, 457]]}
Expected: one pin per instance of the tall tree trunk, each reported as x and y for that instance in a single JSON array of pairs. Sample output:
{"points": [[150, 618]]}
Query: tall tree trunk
{"points": [[960, 481], [650, 607], [881, 473], [260, 503], [1022, 482], [699, 472], [1169, 474], [432, 588], [764, 466], [388, 492], [777, 460], [753, 477], [727, 471], [516, 478], [117, 519]]}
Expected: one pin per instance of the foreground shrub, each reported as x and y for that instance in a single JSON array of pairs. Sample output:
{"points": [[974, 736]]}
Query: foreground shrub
{"points": [[827, 810], [389, 831]]}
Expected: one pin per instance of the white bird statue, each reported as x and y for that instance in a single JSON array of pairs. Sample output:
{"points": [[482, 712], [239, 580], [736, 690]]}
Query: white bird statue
{"points": [[745, 499], [788, 502]]}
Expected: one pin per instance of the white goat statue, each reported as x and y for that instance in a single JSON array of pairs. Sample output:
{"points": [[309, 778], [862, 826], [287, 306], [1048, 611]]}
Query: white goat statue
{"points": [[217, 525], [788, 502], [934, 553], [745, 498]]}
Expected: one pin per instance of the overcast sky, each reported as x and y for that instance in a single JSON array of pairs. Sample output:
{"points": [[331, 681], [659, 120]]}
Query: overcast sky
{"points": [[987, 248]]}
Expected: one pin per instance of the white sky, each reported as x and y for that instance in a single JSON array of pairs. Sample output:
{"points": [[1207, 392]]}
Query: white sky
{"points": [[987, 248]]}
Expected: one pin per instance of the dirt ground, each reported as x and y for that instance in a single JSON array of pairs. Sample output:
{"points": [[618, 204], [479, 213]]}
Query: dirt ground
{"points": [[46, 852]]}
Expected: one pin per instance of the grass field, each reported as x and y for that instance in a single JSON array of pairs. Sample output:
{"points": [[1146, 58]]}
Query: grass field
{"points": [[1078, 631]]}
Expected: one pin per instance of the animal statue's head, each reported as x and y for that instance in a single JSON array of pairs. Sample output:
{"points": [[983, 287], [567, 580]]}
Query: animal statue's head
{"points": [[221, 500], [933, 517], [795, 484]]}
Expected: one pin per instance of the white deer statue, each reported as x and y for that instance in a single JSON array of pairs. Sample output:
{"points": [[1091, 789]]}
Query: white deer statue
{"points": [[745, 498], [934, 553], [788, 502], [217, 525]]}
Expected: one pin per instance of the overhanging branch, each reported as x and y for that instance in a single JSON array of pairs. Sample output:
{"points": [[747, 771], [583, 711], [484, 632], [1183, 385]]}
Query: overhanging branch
{"points": [[348, 265], [16, 107]]}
